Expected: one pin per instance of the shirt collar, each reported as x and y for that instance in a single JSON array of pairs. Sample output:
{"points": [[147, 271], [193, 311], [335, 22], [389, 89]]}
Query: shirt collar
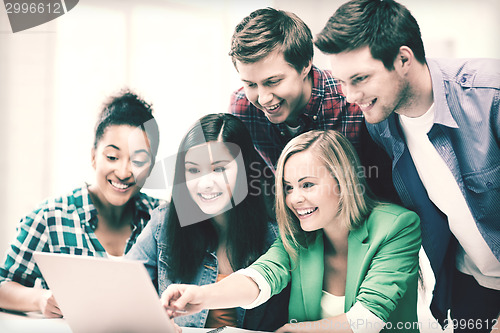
{"points": [[141, 212], [443, 114], [142, 206], [317, 93], [88, 212]]}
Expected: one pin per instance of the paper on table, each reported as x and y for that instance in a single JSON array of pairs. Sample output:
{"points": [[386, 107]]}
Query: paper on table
{"points": [[34, 325], [227, 329]]}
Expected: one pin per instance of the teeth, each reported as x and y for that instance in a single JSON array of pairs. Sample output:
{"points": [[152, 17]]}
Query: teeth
{"points": [[120, 185], [366, 105], [209, 196], [306, 211], [274, 107]]}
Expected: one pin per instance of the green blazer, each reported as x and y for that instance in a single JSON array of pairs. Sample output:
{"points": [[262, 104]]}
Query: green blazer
{"points": [[382, 269]]}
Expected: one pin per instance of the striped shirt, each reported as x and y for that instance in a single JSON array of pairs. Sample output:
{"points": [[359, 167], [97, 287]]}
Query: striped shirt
{"points": [[64, 225]]}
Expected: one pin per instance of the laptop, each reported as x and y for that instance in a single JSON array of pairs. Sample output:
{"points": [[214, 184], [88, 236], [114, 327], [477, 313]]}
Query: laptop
{"points": [[101, 295]]}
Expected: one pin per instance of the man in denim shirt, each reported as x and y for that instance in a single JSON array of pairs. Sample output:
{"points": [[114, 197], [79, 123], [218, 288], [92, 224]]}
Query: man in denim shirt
{"points": [[439, 122]]}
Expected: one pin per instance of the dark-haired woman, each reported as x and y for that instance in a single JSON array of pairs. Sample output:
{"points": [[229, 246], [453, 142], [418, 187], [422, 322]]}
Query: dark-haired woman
{"points": [[351, 260], [215, 224], [101, 219]]}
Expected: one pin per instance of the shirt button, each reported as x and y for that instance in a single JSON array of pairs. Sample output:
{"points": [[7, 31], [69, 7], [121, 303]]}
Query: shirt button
{"points": [[489, 184], [464, 79], [315, 117], [282, 133]]}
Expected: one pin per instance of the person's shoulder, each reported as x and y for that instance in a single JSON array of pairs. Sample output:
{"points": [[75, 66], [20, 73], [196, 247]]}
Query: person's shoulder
{"points": [[376, 128], [63, 206], [388, 214], [243, 109], [158, 217], [238, 102], [239, 94], [272, 232], [70, 201], [323, 76], [381, 132], [390, 209], [468, 73], [390, 222], [162, 210], [325, 84], [326, 73], [150, 202]]}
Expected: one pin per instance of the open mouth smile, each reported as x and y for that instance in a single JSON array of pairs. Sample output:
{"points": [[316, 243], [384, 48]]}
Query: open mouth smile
{"points": [[302, 213], [273, 108], [367, 105], [209, 196], [120, 186]]}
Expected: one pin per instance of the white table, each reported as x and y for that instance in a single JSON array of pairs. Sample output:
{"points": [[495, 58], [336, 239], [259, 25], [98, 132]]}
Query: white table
{"points": [[34, 322]]}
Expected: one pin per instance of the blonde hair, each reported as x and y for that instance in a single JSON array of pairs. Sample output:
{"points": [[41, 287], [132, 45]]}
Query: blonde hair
{"points": [[339, 157]]}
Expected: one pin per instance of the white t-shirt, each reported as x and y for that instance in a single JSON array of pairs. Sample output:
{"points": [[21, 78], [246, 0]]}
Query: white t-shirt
{"points": [[331, 305], [474, 257]]}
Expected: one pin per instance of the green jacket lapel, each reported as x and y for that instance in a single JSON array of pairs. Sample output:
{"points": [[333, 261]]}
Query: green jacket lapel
{"points": [[311, 276], [357, 248]]}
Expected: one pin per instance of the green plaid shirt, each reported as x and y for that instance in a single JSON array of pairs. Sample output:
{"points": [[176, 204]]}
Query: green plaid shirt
{"points": [[64, 225]]}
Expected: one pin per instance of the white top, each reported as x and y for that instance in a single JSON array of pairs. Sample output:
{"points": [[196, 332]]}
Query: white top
{"points": [[293, 131], [474, 257], [331, 305], [112, 257], [361, 319]]}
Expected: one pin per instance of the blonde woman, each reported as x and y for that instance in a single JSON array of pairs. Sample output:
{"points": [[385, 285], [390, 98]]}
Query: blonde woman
{"points": [[352, 261]]}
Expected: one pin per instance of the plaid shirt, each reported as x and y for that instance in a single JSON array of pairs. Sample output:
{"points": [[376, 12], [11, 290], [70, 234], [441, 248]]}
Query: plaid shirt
{"points": [[64, 225], [327, 109]]}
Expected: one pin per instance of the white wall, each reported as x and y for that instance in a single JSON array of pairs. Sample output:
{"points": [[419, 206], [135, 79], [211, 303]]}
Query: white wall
{"points": [[449, 28]]}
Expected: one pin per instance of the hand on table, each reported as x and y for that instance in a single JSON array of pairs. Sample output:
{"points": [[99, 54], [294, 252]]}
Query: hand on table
{"points": [[48, 305]]}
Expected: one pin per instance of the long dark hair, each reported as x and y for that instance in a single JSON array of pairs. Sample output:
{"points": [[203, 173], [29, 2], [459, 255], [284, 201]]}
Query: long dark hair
{"points": [[187, 245]]}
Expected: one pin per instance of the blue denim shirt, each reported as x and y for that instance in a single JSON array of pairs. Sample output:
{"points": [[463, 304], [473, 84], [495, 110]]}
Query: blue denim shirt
{"points": [[466, 134], [150, 248]]}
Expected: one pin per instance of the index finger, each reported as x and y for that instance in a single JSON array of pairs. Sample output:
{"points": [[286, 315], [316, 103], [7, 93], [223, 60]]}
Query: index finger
{"points": [[171, 294]]}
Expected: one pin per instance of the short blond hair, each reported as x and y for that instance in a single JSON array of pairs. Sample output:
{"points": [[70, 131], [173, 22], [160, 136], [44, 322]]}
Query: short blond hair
{"points": [[340, 158]]}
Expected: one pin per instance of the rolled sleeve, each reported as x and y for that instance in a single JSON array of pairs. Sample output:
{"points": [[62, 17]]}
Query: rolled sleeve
{"points": [[394, 267], [264, 287], [361, 320], [274, 266]]}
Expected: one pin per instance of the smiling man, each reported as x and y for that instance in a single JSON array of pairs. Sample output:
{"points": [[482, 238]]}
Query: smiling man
{"points": [[284, 94], [439, 120]]}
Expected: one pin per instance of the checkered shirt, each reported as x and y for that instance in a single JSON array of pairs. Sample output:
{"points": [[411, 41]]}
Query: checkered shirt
{"points": [[64, 225], [327, 109]]}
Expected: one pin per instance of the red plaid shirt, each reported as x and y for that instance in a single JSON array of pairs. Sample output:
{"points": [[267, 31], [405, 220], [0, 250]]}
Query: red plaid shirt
{"points": [[327, 109]]}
